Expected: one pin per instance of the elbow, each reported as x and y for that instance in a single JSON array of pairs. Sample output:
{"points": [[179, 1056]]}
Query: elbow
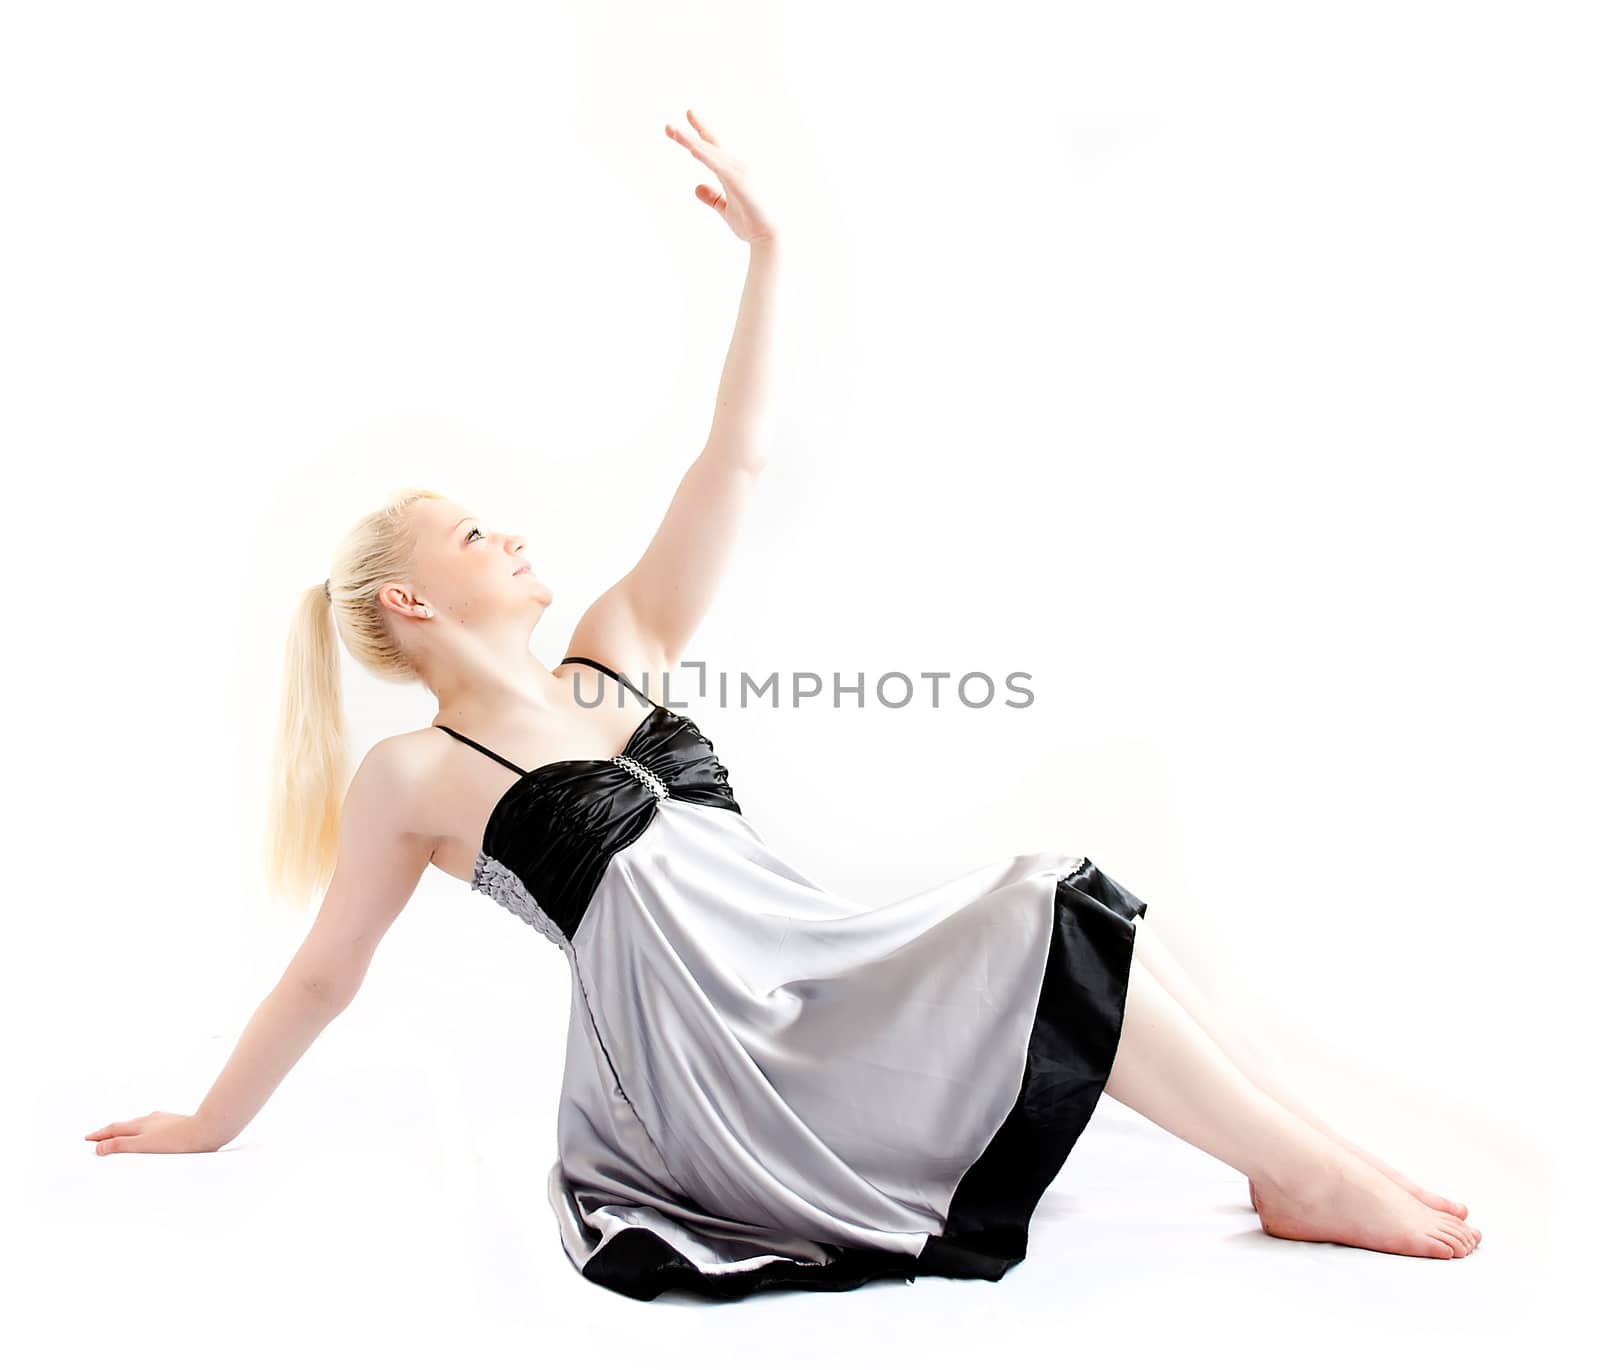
{"points": [[744, 453], [332, 991]]}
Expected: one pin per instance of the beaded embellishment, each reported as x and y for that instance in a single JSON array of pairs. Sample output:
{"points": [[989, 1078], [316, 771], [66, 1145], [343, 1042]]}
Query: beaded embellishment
{"points": [[642, 773]]}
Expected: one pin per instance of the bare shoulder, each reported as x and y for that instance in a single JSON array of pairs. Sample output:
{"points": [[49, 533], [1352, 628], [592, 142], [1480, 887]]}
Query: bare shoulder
{"points": [[397, 783], [382, 856]]}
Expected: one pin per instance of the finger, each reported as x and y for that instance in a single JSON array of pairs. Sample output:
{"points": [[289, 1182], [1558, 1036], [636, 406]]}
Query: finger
{"points": [[711, 156], [124, 1129], [700, 128], [708, 196], [689, 141]]}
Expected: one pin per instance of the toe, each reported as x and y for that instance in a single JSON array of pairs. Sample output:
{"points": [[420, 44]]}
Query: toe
{"points": [[1444, 1205]]}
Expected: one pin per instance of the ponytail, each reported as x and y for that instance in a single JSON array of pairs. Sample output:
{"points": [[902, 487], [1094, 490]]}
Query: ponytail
{"points": [[310, 760], [311, 763]]}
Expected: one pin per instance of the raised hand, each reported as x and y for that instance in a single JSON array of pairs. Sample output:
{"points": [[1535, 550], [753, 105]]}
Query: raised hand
{"points": [[736, 202]]}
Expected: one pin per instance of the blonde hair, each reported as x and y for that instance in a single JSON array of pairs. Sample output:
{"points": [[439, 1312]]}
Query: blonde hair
{"points": [[310, 754]]}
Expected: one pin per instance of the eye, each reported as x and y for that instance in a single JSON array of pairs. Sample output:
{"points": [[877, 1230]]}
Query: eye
{"points": [[473, 530]]}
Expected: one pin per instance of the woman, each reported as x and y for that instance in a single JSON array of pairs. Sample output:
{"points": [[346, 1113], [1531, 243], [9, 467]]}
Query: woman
{"points": [[766, 1084]]}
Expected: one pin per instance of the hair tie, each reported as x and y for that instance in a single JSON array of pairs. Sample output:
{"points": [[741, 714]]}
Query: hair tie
{"points": [[327, 593]]}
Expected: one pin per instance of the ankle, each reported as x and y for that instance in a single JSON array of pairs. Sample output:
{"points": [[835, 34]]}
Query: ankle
{"points": [[1310, 1164]]}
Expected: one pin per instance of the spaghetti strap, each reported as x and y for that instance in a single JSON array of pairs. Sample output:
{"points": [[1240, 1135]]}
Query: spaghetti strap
{"points": [[495, 755], [584, 660], [590, 661]]}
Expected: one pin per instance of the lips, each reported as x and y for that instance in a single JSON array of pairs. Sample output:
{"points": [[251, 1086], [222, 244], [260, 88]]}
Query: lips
{"points": [[523, 570]]}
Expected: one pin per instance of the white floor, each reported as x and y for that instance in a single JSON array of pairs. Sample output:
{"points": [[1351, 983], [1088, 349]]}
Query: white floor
{"points": [[378, 1214]]}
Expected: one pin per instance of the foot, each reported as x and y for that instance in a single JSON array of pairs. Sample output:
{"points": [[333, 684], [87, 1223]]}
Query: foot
{"points": [[1416, 1191], [1349, 1202]]}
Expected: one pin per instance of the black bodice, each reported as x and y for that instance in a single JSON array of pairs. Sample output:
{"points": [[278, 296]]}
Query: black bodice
{"points": [[557, 827]]}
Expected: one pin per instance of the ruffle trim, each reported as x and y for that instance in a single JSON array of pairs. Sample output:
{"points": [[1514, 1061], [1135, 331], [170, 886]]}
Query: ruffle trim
{"points": [[505, 887]]}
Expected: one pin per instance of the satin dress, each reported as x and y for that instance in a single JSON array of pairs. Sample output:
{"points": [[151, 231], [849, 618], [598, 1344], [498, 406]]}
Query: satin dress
{"points": [[769, 1085]]}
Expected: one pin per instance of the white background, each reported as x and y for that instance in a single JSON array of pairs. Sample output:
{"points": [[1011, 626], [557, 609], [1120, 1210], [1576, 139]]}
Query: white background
{"points": [[1230, 369]]}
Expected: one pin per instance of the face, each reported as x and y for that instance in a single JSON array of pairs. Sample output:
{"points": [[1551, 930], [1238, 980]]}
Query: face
{"points": [[469, 570]]}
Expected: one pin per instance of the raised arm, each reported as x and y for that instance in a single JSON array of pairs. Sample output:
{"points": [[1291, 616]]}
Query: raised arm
{"points": [[378, 868], [650, 615]]}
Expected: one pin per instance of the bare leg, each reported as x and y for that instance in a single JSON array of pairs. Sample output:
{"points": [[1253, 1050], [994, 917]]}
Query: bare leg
{"points": [[1159, 960], [1310, 1187]]}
